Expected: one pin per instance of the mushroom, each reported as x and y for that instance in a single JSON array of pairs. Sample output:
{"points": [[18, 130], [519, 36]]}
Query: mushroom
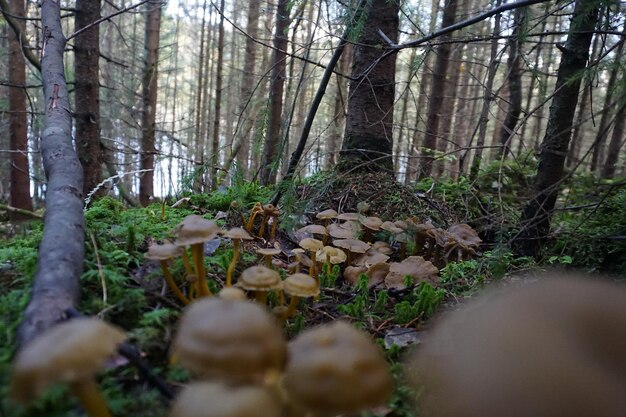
{"points": [[232, 293], [267, 254], [348, 216], [298, 286], [553, 348], [269, 212], [336, 369], [371, 257], [312, 245], [371, 224], [416, 267], [215, 399], [339, 232], [326, 215], [70, 352], [194, 231], [237, 234], [465, 240], [163, 253], [353, 246], [234, 340], [375, 273], [317, 230], [256, 209], [331, 256], [301, 259], [260, 280]]}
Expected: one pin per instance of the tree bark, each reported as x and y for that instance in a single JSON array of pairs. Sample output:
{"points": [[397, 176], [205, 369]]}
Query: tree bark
{"points": [[514, 79], [535, 220], [87, 93], [215, 148], [616, 143], [20, 172], [368, 138], [271, 153], [437, 94], [61, 252], [149, 97]]}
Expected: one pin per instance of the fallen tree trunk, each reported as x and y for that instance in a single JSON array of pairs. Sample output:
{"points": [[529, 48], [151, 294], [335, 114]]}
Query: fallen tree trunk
{"points": [[61, 252]]}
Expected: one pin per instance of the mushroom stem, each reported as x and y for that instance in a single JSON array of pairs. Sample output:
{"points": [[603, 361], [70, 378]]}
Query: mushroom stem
{"points": [[293, 304], [233, 262], [268, 261], [313, 268], [172, 284], [197, 251], [186, 263], [273, 231], [261, 297], [263, 223], [90, 398]]}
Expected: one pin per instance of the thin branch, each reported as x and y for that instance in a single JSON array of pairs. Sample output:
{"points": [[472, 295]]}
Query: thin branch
{"points": [[19, 34], [103, 19]]}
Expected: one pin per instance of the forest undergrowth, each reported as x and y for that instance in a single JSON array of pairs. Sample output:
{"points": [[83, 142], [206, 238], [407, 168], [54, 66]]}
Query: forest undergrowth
{"points": [[121, 286]]}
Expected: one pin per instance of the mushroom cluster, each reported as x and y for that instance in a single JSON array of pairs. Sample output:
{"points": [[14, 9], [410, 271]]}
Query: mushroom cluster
{"points": [[244, 366]]}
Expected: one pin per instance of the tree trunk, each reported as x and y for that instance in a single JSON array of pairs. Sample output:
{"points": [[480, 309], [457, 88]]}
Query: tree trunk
{"points": [[514, 79], [215, 148], [87, 93], [488, 98], [20, 172], [339, 110], [61, 252], [437, 93], [368, 138], [201, 93], [617, 141], [241, 149], [149, 97], [603, 128], [535, 220], [271, 153]]}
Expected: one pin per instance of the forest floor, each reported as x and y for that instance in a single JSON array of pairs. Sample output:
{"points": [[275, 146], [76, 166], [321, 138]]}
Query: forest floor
{"points": [[122, 287]]}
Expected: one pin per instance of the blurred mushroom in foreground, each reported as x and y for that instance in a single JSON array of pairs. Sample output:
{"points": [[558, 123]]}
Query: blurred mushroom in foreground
{"points": [[554, 348]]}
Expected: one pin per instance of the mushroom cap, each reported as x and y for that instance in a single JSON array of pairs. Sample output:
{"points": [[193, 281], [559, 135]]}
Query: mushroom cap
{"points": [[371, 257], [215, 399], [238, 233], [331, 254], [339, 232], [326, 214], [301, 285], [314, 229], [391, 227], [268, 251], [416, 267], [442, 238], [372, 223], [195, 229], [465, 235], [259, 278], [382, 247], [68, 352], [232, 293], [271, 210], [237, 340], [352, 245], [348, 216], [352, 273], [311, 244], [571, 343], [162, 252], [335, 369]]}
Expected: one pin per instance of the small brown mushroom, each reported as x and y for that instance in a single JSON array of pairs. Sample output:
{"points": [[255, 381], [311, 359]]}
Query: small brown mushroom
{"points": [[336, 369], [215, 399], [416, 267], [71, 352], [331, 256], [317, 230], [312, 245], [353, 246], [233, 340], [371, 224], [163, 253], [260, 280], [326, 215], [194, 231], [299, 286], [267, 254], [237, 234]]}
